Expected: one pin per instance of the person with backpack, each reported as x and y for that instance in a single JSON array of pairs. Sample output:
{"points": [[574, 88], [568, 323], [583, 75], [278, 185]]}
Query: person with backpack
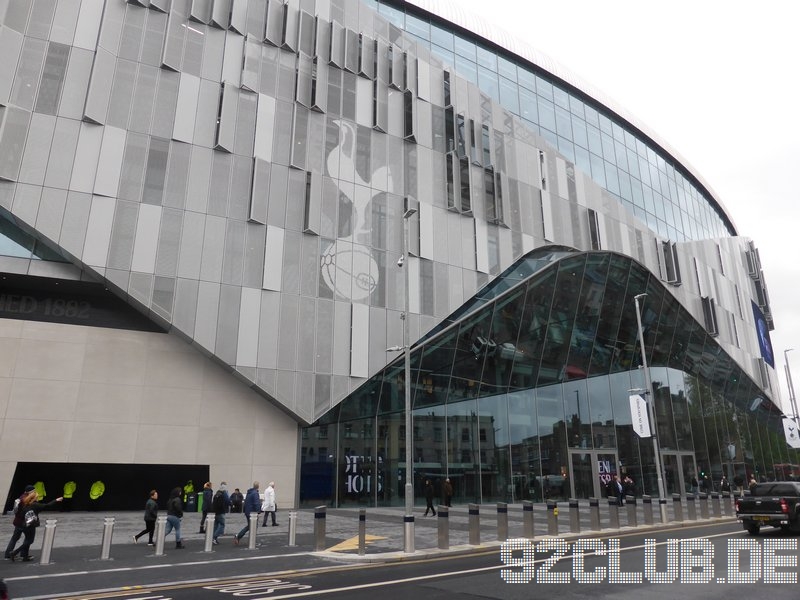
{"points": [[208, 496], [220, 503], [17, 530], [150, 516], [174, 516], [27, 518]]}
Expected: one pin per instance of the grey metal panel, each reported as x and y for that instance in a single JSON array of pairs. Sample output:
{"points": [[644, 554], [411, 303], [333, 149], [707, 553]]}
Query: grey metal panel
{"points": [[37, 149], [199, 174], [287, 333], [98, 231], [239, 16], [290, 283], [26, 202], [65, 21], [76, 83], [161, 5], [253, 273], [86, 157], [268, 330], [291, 28], [119, 104], [366, 59], [306, 334], [185, 304], [205, 331], [156, 171], [205, 123], [10, 50], [337, 37], [7, 191], [109, 166], [226, 128], [88, 26], [123, 234], [322, 39], [221, 13], [165, 103], [220, 184], [143, 97], [398, 74], [239, 194], [247, 343], [213, 246], [307, 30], [172, 53], [309, 265], [251, 65], [233, 259], [305, 68], [62, 153], [313, 204], [282, 140], [133, 165], [191, 241], [51, 213], [259, 193], [201, 10], [359, 341], [99, 87], [297, 157], [73, 228], [364, 102], [265, 117], [319, 92], [111, 30], [324, 329], [213, 54], [29, 69], [274, 26], [245, 123], [163, 296], [177, 175], [228, 323], [378, 341], [155, 32], [130, 42], [140, 287], [351, 51], [146, 239], [273, 259], [169, 238]]}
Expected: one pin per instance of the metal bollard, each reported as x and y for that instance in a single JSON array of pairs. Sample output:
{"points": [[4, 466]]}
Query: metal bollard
{"points": [[630, 503], [662, 507], [443, 522], [161, 530], [319, 528], [594, 513], [703, 506], [527, 519], [502, 521], [677, 509], [647, 508], [691, 507], [727, 504], [47, 544], [292, 528], [209, 541], [253, 532], [613, 513], [574, 516], [552, 518], [362, 531], [715, 507], [474, 525], [108, 532]]}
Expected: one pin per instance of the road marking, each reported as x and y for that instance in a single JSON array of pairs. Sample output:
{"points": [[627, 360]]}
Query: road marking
{"points": [[352, 543]]}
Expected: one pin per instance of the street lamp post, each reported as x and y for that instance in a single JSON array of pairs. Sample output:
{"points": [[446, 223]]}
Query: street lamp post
{"points": [[651, 408], [792, 398], [408, 518]]}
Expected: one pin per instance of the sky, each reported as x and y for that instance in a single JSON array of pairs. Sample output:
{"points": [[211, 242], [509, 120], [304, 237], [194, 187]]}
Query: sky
{"points": [[718, 81]]}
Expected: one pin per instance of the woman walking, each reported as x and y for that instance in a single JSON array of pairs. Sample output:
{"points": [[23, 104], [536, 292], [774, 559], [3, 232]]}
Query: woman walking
{"points": [[174, 516], [150, 516], [27, 518]]}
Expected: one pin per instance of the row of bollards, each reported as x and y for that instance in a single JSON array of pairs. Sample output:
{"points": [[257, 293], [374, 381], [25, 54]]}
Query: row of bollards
{"points": [[713, 504]]}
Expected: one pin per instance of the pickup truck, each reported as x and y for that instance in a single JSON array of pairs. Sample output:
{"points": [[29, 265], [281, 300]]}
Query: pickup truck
{"points": [[776, 504]]}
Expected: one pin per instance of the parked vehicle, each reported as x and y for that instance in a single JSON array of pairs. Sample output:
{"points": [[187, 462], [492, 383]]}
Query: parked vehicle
{"points": [[776, 504]]}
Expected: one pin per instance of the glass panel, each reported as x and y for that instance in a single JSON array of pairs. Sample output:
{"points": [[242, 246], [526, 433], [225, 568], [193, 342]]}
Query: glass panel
{"points": [[552, 439], [494, 453], [463, 451], [532, 332]]}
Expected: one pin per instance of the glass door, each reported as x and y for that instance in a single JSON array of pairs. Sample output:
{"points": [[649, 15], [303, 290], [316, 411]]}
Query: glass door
{"points": [[591, 471], [679, 469]]}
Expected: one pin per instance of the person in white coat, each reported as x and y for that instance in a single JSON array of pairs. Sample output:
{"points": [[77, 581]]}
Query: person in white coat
{"points": [[270, 506]]}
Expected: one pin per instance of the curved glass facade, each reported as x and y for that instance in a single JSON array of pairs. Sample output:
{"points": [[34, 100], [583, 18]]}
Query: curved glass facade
{"points": [[644, 178], [526, 396]]}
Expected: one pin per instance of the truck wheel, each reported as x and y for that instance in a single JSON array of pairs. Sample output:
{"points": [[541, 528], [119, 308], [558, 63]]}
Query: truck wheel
{"points": [[753, 529]]}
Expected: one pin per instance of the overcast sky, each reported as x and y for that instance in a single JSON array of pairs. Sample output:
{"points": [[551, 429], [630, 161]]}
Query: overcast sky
{"points": [[717, 80]]}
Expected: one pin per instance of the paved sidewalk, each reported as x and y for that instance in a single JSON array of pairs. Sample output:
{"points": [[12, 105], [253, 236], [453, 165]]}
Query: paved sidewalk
{"points": [[78, 537]]}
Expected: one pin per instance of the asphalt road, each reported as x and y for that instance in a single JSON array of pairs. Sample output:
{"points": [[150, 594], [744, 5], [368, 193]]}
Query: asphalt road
{"points": [[707, 561]]}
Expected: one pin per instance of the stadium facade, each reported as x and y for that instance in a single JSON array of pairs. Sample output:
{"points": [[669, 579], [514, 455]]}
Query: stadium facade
{"points": [[201, 217]]}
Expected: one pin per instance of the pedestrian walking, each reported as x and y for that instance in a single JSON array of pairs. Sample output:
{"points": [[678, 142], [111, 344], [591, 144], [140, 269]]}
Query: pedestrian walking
{"points": [[150, 516], [429, 498], [27, 518], [17, 530], [270, 505], [237, 501], [448, 492], [220, 503], [252, 504], [208, 496], [174, 516]]}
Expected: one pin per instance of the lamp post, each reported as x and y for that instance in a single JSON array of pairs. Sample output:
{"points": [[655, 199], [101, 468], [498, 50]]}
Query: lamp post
{"points": [[792, 398], [651, 408], [408, 518]]}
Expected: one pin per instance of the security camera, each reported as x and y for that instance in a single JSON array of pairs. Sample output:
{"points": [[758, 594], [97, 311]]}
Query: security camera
{"points": [[401, 260]]}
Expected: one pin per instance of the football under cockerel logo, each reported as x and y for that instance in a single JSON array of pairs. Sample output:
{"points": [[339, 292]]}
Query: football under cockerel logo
{"points": [[347, 265]]}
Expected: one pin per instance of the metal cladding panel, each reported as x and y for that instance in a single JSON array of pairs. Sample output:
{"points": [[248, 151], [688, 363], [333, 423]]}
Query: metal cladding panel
{"points": [[258, 208]]}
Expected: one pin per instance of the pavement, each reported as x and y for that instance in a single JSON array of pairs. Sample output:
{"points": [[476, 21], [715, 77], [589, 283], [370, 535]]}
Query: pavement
{"points": [[78, 538]]}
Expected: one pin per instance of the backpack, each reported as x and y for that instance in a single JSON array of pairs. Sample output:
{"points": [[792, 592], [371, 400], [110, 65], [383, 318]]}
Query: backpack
{"points": [[218, 502]]}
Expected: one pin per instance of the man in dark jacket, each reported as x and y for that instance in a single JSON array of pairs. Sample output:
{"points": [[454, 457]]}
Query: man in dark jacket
{"points": [[208, 495], [429, 498], [237, 501], [220, 507], [174, 516], [252, 504]]}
